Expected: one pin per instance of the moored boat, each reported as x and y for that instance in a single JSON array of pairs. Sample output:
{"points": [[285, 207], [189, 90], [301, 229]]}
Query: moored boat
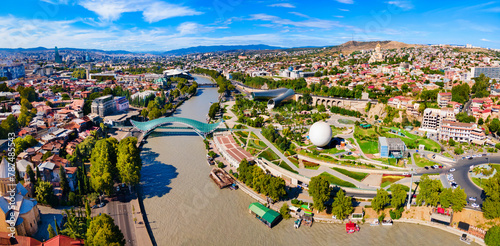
{"points": [[386, 222], [297, 223], [465, 239]]}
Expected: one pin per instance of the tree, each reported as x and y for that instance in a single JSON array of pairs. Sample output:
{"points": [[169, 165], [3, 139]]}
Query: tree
{"points": [[51, 231], [459, 199], [103, 167], [38, 175], [380, 200], [494, 126], [285, 211], [492, 237], [480, 87], [446, 197], [44, 192], [103, 231], [129, 162], [342, 205], [429, 191], [31, 174], [319, 189], [75, 226], [9, 125], [398, 195], [460, 93], [63, 181], [214, 109], [491, 206], [465, 118]]}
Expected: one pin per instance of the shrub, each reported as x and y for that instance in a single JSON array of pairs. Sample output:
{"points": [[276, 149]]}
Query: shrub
{"points": [[381, 217], [220, 165]]}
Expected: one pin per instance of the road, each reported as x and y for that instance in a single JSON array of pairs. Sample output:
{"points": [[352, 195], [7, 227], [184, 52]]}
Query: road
{"points": [[119, 209], [461, 175]]}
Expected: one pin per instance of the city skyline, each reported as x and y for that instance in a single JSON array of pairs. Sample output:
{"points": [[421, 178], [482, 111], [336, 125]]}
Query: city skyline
{"points": [[155, 25]]}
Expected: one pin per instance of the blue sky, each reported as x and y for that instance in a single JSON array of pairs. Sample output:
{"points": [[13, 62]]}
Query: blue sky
{"points": [[158, 25]]}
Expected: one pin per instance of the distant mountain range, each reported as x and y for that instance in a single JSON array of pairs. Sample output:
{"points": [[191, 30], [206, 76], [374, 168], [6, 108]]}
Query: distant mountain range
{"points": [[345, 47], [218, 48]]}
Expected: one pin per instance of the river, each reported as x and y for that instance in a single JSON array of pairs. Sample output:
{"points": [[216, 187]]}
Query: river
{"points": [[184, 206]]}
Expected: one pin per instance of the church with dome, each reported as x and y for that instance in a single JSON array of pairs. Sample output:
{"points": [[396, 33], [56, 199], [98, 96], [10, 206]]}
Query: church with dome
{"points": [[23, 213], [377, 56]]}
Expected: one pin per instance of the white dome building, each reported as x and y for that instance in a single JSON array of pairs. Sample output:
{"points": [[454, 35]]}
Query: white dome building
{"points": [[320, 134]]}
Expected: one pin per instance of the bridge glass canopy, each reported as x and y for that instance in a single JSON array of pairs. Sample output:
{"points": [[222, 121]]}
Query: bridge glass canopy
{"points": [[200, 127]]}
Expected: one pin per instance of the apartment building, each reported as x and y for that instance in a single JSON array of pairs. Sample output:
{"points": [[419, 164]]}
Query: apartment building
{"points": [[103, 106], [443, 99], [433, 117], [462, 132]]}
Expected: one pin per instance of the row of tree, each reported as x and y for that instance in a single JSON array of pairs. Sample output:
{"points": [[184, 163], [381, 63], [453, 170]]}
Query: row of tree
{"points": [[266, 184], [432, 193]]}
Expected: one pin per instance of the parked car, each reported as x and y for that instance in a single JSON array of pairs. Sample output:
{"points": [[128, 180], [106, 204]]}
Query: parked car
{"points": [[472, 198], [452, 170], [436, 166], [426, 168], [101, 204], [475, 205]]}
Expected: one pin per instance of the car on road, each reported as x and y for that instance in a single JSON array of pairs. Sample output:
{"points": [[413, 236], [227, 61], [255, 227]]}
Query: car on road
{"points": [[436, 166], [468, 157], [426, 168], [101, 204], [433, 167], [472, 199], [95, 206], [475, 205], [452, 169], [471, 167], [434, 156], [463, 157], [405, 174]]}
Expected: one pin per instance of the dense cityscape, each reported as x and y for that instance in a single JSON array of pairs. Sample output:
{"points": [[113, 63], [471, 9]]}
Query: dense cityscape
{"points": [[358, 142]]}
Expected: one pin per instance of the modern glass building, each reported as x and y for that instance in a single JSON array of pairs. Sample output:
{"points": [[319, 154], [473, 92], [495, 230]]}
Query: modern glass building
{"points": [[275, 97]]}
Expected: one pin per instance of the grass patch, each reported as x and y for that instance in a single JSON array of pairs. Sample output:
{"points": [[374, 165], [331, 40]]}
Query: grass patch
{"points": [[389, 179], [256, 144], [336, 181], [422, 161], [496, 166], [355, 175], [253, 135], [310, 165], [430, 174], [241, 134], [447, 155], [294, 161], [269, 155], [368, 147], [479, 182], [227, 117], [346, 121], [405, 188], [287, 167]]}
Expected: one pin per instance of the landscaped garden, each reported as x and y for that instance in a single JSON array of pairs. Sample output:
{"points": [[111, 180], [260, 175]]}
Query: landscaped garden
{"points": [[355, 175], [390, 179], [336, 181], [422, 161]]}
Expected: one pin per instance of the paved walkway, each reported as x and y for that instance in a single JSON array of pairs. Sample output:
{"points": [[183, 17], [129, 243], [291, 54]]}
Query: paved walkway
{"points": [[276, 150]]}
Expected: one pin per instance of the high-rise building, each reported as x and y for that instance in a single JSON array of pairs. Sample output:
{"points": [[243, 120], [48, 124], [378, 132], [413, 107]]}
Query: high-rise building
{"points": [[104, 105], [12, 71], [57, 56], [490, 72]]}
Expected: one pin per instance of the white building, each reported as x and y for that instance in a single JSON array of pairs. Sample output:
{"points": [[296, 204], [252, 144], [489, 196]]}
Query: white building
{"points": [[462, 132], [433, 117]]}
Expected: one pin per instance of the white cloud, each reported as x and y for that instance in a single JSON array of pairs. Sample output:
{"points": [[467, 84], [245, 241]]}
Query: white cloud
{"points": [[406, 5], [345, 10], [311, 23], [283, 5], [345, 1], [299, 14], [188, 28], [152, 10], [338, 16], [56, 1], [486, 40]]}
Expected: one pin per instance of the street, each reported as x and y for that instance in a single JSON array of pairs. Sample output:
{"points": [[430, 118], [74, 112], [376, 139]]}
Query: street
{"points": [[119, 209]]}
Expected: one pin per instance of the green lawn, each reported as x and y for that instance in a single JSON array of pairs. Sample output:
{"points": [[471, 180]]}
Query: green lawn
{"points": [[241, 134], [368, 147], [355, 175], [254, 136], [287, 167], [479, 182], [422, 161], [346, 121], [336, 181], [406, 188], [294, 161], [269, 155], [447, 155], [256, 144]]}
